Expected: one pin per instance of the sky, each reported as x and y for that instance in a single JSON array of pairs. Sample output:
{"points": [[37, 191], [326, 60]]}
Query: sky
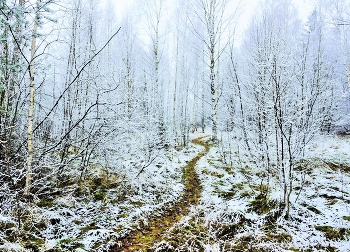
{"points": [[246, 11], [121, 5], [304, 6], [248, 8]]}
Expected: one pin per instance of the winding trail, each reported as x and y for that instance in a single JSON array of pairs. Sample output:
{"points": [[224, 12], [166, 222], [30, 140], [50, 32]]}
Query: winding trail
{"points": [[143, 240]]}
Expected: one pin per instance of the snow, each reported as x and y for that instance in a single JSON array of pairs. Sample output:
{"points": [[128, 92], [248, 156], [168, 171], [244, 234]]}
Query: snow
{"points": [[228, 191], [12, 247], [215, 207], [158, 186], [330, 147]]}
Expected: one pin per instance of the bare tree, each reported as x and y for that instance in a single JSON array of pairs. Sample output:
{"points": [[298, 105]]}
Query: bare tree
{"points": [[31, 101], [286, 94], [216, 24]]}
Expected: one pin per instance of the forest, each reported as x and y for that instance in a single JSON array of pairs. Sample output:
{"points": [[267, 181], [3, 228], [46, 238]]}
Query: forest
{"points": [[163, 125]]}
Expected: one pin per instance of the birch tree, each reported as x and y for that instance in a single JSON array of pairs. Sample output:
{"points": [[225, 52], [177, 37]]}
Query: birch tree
{"points": [[31, 101], [10, 68], [154, 22], [336, 17], [286, 100], [215, 22]]}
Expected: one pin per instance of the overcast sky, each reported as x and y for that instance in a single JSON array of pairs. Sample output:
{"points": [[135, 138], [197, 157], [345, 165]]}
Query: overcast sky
{"points": [[247, 9], [304, 6]]}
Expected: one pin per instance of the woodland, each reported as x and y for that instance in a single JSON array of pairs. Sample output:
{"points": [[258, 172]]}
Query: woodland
{"points": [[187, 125]]}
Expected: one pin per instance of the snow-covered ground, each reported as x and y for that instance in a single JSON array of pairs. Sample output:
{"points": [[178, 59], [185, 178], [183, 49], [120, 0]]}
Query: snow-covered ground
{"points": [[335, 148], [319, 213], [94, 222], [227, 218]]}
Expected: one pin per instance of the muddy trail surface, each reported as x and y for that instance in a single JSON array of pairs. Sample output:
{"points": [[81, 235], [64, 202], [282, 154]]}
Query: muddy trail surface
{"points": [[143, 240]]}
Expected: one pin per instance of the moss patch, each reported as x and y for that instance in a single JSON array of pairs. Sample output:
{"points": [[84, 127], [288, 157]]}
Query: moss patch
{"points": [[32, 242], [227, 195], [7, 225], [246, 193], [279, 237], [246, 170], [262, 205], [334, 233], [230, 193], [335, 166], [194, 236], [192, 233], [212, 173], [70, 243], [89, 227], [45, 203], [227, 231], [255, 244], [317, 248], [312, 209], [97, 183], [99, 195], [263, 189], [302, 166]]}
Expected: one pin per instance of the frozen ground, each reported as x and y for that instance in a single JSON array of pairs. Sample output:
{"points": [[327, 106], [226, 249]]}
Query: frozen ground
{"points": [[94, 222], [227, 218]]}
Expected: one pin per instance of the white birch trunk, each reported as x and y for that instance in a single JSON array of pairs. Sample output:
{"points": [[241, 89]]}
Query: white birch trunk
{"points": [[31, 110]]}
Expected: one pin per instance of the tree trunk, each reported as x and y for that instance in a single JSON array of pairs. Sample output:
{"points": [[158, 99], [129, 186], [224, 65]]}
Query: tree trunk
{"points": [[31, 108]]}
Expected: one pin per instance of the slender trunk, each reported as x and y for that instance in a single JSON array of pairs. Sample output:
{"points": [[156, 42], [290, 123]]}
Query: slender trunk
{"points": [[194, 111], [245, 135], [203, 112], [175, 90], [186, 120], [290, 173], [303, 91], [214, 94], [156, 68], [31, 109], [4, 89]]}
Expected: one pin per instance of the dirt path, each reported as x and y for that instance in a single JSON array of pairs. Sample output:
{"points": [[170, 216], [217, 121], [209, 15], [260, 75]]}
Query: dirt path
{"points": [[143, 240]]}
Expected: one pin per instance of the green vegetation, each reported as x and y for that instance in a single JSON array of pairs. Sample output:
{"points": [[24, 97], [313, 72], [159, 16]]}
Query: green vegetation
{"points": [[71, 244], [246, 193], [99, 195], [334, 233], [31, 241], [252, 243], [315, 248], [92, 226], [303, 166], [230, 193], [45, 203], [337, 166], [246, 170], [313, 209], [262, 205], [7, 225], [279, 237], [227, 195]]}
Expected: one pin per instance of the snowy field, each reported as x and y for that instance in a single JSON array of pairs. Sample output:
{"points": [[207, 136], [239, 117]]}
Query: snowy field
{"points": [[94, 222], [231, 215], [228, 220]]}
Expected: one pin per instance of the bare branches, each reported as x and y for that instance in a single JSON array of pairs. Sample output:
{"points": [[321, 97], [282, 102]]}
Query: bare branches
{"points": [[68, 87]]}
